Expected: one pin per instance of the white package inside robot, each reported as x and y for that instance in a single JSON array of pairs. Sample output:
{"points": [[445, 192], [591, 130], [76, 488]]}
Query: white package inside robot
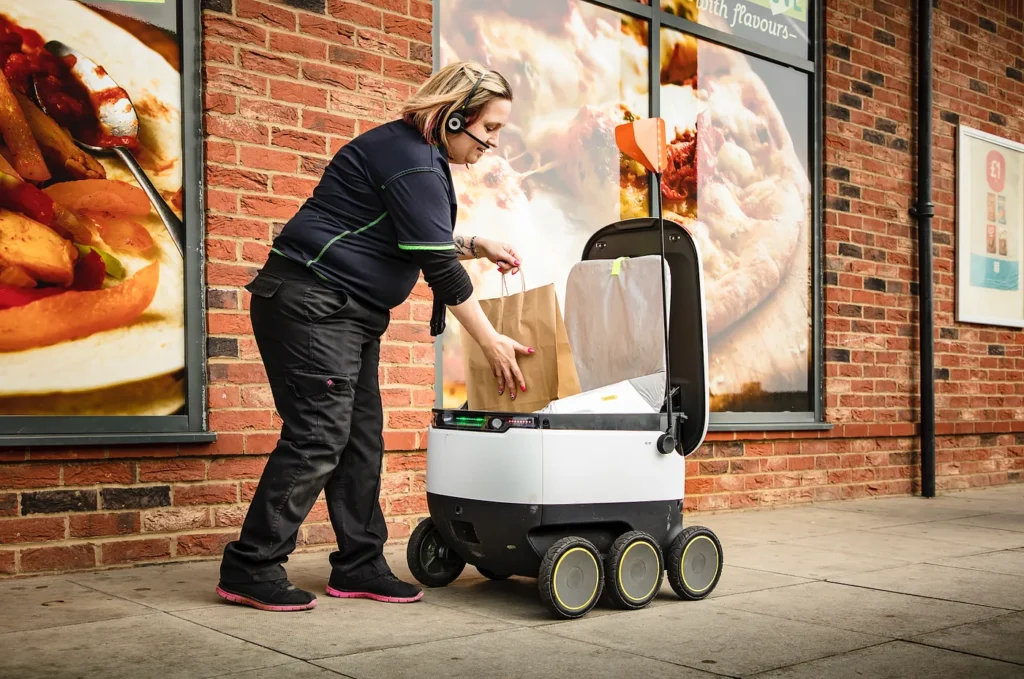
{"points": [[642, 395]]}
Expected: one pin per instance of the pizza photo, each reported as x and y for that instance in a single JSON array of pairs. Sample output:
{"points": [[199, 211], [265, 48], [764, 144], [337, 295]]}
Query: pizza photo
{"points": [[737, 181]]}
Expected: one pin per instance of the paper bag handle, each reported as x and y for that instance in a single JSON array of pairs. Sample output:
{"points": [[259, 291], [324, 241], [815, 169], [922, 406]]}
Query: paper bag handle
{"points": [[504, 284], [504, 294]]}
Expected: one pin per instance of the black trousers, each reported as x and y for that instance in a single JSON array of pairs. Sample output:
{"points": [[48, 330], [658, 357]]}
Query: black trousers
{"points": [[321, 351]]}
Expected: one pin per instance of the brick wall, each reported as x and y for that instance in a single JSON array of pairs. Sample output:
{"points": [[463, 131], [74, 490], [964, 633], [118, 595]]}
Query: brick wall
{"points": [[288, 82]]}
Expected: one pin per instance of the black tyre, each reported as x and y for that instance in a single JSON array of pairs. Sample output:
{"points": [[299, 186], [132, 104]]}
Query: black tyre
{"points": [[432, 562], [571, 578], [694, 563], [491, 575], [633, 571]]}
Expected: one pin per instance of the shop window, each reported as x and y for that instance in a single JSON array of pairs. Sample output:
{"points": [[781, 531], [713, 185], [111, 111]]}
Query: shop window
{"points": [[743, 176]]}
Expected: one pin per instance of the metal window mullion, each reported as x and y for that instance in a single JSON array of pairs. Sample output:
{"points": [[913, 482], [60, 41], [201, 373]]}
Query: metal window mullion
{"points": [[654, 94], [817, 217], [630, 7]]}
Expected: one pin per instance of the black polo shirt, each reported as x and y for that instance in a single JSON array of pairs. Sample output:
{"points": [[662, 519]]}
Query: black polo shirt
{"points": [[383, 211]]}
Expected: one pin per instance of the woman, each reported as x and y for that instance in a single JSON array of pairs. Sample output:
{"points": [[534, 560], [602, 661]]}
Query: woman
{"points": [[383, 212]]}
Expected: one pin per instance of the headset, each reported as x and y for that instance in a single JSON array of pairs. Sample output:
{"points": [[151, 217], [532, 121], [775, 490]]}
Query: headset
{"points": [[457, 119]]}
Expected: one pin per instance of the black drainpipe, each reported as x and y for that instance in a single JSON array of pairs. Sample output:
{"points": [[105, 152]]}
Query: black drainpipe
{"points": [[924, 212]]}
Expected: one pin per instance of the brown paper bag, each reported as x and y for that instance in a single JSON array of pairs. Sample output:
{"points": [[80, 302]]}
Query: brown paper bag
{"points": [[534, 319]]}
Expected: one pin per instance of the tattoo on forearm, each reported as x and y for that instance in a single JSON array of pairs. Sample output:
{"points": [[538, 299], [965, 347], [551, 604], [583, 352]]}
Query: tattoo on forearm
{"points": [[460, 245], [472, 246]]}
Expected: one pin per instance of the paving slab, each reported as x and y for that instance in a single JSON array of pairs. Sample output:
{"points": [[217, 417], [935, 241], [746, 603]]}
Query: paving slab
{"points": [[155, 645], [706, 635], [1007, 562], [859, 610], [174, 587], [877, 545], [807, 562], [298, 669], [949, 531], [523, 653], [947, 583], [899, 660], [37, 603], [907, 509], [341, 626], [999, 638], [768, 525], [1014, 522]]}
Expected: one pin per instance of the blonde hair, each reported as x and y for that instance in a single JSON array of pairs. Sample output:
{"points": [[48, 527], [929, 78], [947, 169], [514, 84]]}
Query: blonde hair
{"points": [[445, 92]]}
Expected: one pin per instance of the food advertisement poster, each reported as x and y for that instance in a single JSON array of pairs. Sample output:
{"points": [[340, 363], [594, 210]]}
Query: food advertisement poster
{"points": [[92, 303], [738, 129], [990, 229]]}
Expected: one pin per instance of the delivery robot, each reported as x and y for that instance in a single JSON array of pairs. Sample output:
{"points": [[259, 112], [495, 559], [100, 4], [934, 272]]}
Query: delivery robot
{"points": [[590, 505]]}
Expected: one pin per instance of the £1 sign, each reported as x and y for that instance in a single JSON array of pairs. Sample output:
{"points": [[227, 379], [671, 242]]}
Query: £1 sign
{"points": [[995, 170]]}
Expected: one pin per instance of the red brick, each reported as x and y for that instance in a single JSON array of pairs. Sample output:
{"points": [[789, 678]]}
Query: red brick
{"points": [[8, 504], [282, 90], [222, 201], [389, 89], [400, 440], [223, 225], [236, 178], [409, 332], [206, 494], [209, 544], [289, 43], [131, 551], [399, 6], [31, 475], [233, 80], [237, 468], [421, 10], [233, 30], [228, 274], [271, 64], [267, 159], [89, 474], [67, 558], [234, 128], [231, 517], [255, 252], [411, 376], [104, 525], [382, 43], [410, 28], [409, 504], [293, 186], [354, 13], [7, 562], [175, 520], [307, 142], [321, 27], [404, 70], [410, 462], [269, 111], [408, 419], [219, 52], [353, 58], [172, 470], [272, 207], [220, 103], [269, 15], [329, 75], [14, 531], [260, 444], [221, 152]]}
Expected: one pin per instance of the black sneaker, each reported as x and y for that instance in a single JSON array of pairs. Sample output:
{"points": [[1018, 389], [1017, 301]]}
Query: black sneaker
{"points": [[385, 587], [275, 595]]}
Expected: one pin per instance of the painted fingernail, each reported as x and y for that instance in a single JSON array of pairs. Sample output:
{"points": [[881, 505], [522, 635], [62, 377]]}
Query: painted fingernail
{"points": [[529, 351], [523, 388], [516, 262]]}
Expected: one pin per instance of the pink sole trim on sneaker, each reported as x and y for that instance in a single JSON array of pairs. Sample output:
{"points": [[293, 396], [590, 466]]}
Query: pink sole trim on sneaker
{"points": [[376, 597], [246, 601]]}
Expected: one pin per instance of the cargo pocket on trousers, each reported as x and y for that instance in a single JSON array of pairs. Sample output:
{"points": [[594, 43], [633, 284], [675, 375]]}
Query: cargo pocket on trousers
{"points": [[319, 402], [264, 285]]}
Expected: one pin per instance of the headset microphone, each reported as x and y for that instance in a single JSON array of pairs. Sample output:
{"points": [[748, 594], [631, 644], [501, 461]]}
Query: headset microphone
{"points": [[457, 120]]}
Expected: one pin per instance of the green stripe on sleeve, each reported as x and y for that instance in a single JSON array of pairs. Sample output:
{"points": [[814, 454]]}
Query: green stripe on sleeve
{"points": [[342, 235]]}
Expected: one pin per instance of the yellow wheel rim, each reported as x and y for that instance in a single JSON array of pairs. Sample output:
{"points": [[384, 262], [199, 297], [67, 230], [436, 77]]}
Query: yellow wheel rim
{"points": [[570, 569], [622, 563], [701, 553]]}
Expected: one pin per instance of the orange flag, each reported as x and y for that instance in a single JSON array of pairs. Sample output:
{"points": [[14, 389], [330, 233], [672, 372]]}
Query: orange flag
{"points": [[644, 141]]}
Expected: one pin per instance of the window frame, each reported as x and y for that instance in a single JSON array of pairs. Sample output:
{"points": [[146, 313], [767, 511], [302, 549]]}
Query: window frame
{"points": [[658, 18], [193, 426]]}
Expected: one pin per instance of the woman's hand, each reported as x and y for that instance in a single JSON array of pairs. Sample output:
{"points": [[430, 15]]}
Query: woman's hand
{"points": [[501, 254], [501, 354]]}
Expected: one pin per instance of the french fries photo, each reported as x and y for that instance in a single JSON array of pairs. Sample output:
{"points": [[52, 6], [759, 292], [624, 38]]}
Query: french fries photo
{"points": [[64, 225]]}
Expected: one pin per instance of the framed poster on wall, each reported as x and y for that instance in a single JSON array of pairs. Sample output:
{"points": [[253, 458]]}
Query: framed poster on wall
{"points": [[990, 229], [101, 299]]}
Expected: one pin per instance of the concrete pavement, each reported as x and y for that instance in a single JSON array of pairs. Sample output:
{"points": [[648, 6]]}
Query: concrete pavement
{"points": [[894, 587]]}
